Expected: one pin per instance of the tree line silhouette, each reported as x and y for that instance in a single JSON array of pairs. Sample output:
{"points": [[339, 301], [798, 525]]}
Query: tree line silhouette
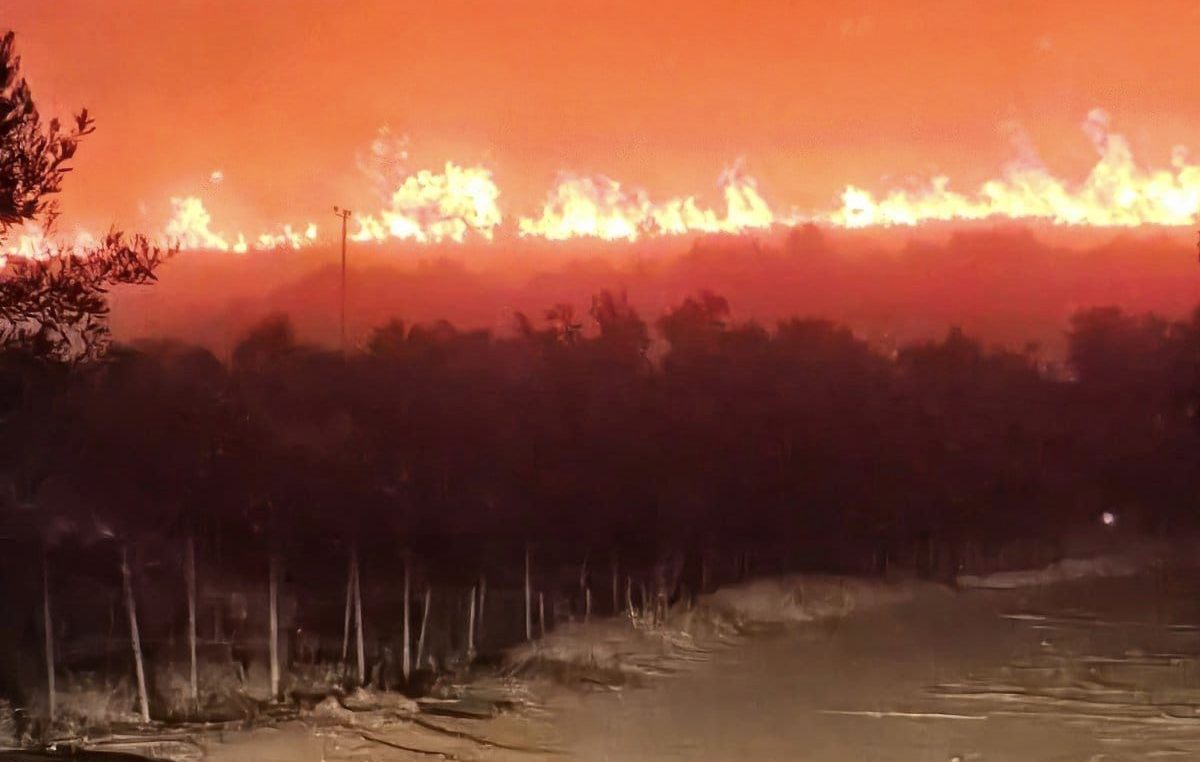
{"points": [[578, 432]]}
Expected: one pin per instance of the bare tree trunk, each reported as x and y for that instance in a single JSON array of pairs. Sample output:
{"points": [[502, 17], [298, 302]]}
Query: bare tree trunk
{"points": [[273, 602], [48, 626], [424, 624], [134, 636], [587, 604], [358, 624], [407, 606], [528, 598], [190, 581], [351, 568], [471, 629], [542, 613]]}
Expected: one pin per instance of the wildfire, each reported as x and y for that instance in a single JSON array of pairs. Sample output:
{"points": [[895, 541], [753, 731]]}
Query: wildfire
{"points": [[431, 207], [189, 229], [461, 202], [599, 207], [1116, 193], [33, 243], [189, 226]]}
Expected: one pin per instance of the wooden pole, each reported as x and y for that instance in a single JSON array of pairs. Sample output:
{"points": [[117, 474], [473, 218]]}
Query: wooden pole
{"points": [[616, 584], [542, 613], [358, 624], [111, 638], [528, 598], [424, 624], [407, 606], [351, 565], [471, 628], [273, 602], [482, 600], [48, 626], [134, 636], [190, 580], [629, 596], [583, 583]]}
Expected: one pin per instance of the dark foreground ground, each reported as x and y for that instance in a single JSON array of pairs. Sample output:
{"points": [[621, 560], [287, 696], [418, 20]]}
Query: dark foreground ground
{"points": [[1102, 670]]}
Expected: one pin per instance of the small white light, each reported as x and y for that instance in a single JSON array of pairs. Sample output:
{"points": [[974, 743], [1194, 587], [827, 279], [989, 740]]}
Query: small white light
{"points": [[1108, 518]]}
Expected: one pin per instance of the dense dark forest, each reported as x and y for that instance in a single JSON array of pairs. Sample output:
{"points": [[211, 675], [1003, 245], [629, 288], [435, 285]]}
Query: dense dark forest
{"points": [[689, 452], [593, 431]]}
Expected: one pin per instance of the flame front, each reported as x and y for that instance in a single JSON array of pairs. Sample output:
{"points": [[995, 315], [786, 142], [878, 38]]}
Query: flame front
{"points": [[461, 202], [1116, 193], [598, 207], [189, 228], [432, 207]]}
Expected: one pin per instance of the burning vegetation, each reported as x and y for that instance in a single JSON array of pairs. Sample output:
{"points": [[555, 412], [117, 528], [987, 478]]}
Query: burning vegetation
{"points": [[461, 204]]}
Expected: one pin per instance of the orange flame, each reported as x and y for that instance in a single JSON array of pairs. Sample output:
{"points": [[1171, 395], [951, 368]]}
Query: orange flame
{"points": [[461, 202], [1116, 193], [432, 207], [189, 228], [33, 243], [599, 207]]}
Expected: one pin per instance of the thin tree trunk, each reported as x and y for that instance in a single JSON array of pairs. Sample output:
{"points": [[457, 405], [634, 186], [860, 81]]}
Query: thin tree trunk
{"points": [[424, 624], [190, 580], [351, 566], [48, 626], [358, 625], [273, 602], [542, 613], [407, 606], [134, 636], [471, 628], [528, 598], [587, 604]]}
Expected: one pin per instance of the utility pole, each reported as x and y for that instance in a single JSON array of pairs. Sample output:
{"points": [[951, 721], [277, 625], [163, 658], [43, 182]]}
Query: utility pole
{"points": [[345, 215]]}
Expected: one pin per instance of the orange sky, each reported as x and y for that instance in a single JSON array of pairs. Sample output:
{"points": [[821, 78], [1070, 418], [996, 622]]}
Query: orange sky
{"points": [[281, 94]]}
